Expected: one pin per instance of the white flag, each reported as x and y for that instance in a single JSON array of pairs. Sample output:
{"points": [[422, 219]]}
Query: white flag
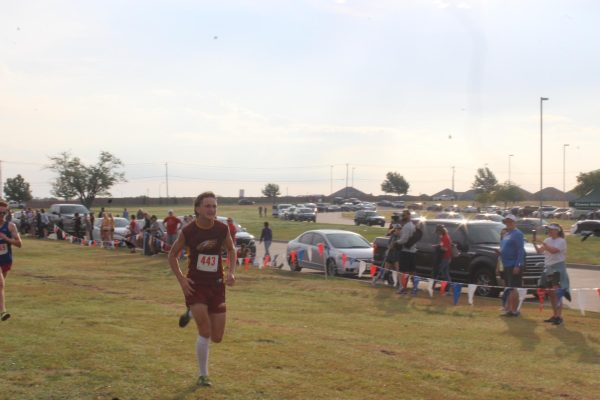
{"points": [[522, 293], [471, 291], [580, 300], [240, 260], [362, 266], [430, 287], [309, 255]]}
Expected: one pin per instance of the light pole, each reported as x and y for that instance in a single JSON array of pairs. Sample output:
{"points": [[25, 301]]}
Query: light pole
{"points": [[509, 158], [565, 171], [330, 179], [353, 168], [542, 99]]}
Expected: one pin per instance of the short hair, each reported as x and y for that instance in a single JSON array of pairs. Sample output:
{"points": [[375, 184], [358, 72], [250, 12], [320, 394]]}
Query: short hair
{"points": [[203, 196], [266, 224], [3, 203]]}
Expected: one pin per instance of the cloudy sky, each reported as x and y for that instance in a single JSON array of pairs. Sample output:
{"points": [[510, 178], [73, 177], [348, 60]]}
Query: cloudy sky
{"points": [[236, 94]]}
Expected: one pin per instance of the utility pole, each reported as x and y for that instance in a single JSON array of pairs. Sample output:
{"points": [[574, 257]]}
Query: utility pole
{"points": [[330, 179], [167, 180], [453, 170], [346, 195], [353, 168]]}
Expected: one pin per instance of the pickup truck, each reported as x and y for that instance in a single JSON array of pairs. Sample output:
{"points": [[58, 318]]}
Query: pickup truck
{"points": [[66, 213], [477, 242]]}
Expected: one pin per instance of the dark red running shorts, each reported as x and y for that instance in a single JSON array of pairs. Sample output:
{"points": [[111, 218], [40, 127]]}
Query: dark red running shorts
{"points": [[6, 267], [212, 295]]}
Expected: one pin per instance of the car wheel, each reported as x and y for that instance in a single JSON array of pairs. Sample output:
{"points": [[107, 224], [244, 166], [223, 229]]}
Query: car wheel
{"points": [[294, 266], [331, 268], [484, 278], [382, 224], [357, 223]]}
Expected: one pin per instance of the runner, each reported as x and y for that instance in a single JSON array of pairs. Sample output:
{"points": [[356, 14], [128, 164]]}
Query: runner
{"points": [[204, 286], [9, 236]]}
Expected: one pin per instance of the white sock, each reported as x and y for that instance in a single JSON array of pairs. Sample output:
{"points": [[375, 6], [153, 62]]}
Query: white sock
{"points": [[202, 354]]}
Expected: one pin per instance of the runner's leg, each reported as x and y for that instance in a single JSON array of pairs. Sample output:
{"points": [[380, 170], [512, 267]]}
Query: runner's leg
{"points": [[203, 323]]}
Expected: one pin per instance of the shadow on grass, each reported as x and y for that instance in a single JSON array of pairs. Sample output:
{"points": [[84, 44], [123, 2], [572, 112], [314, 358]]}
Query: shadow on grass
{"points": [[524, 330], [574, 343], [188, 391]]}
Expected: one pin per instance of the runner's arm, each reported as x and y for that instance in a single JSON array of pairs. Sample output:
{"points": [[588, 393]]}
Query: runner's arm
{"points": [[231, 258], [16, 238], [174, 264]]}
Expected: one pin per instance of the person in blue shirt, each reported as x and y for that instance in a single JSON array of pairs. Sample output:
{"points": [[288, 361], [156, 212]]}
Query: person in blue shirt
{"points": [[512, 253]]}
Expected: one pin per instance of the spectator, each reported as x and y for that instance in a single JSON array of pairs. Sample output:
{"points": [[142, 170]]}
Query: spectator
{"points": [[266, 236], [172, 224], [140, 214], [444, 250], [232, 228], [147, 234], [512, 252], [155, 233], [408, 250], [90, 226], [111, 225], [125, 213], [134, 230], [77, 226], [101, 213], [45, 223], [392, 254], [555, 275], [260, 211]]}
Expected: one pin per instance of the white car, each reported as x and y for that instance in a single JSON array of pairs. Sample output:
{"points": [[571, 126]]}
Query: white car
{"points": [[338, 245]]}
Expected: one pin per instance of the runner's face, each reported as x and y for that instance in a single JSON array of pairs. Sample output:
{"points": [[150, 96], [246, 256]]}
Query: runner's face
{"points": [[3, 212], [208, 208]]}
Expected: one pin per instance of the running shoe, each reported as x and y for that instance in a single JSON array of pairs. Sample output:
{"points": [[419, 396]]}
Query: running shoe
{"points": [[557, 321], [550, 320], [184, 318], [204, 381], [4, 315]]}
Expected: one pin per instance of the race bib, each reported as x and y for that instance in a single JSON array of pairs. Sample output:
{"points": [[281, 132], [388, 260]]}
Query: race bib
{"points": [[207, 262], [3, 248]]}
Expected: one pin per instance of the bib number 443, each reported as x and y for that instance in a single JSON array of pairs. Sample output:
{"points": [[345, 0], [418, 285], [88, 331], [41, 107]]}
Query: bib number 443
{"points": [[207, 262]]}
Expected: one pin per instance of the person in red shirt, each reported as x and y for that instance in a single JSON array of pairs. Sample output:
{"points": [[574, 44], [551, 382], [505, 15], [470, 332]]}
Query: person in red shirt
{"points": [[232, 229], [172, 223], [444, 248]]}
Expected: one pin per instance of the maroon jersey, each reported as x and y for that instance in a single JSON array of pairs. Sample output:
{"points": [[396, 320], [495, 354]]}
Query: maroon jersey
{"points": [[204, 249]]}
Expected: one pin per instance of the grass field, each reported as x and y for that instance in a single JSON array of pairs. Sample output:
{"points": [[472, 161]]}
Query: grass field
{"points": [[97, 324], [587, 252]]}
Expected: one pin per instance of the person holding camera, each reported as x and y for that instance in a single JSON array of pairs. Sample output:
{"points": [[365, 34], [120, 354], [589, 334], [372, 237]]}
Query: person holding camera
{"points": [[555, 276]]}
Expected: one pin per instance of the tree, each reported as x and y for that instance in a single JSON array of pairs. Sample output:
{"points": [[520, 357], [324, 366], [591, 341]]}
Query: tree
{"points": [[16, 189], [395, 183], [484, 185], [271, 191], [508, 192], [587, 181], [76, 179]]}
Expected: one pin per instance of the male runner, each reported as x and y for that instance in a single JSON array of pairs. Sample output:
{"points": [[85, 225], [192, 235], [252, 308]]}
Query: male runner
{"points": [[9, 236], [204, 286]]}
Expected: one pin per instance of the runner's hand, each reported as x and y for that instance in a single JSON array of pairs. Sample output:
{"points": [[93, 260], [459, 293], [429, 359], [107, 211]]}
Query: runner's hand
{"points": [[230, 279], [186, 286], [4, 237]]}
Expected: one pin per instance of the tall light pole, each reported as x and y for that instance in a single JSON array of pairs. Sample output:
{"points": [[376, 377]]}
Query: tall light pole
{"points": [[565, 171], [542, 99], [453, 170], [330, 179], [353, 168], [509, 158]]}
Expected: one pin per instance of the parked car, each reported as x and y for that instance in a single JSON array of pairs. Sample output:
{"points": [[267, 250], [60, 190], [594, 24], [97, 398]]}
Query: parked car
{"points": [[242, 236], [337, 244], [16, 204], [444, 197], [384, 203], [287, 213], [415, 206], [278, 209], [528, 225], [333, 208], [245, 202], [450, 215], [586, 227], [305, 214], [398, 204], [66, 213], [469, 209], [367, 217], [348, 206], [435, 207], [558, 213], [489, 217], [322, 207], [544, 211], [477, 242]]}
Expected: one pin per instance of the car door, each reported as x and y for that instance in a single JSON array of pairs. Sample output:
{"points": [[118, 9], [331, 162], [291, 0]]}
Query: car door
{"points": [[459, 264], [317, 261], [426, 255], [304, 244]]}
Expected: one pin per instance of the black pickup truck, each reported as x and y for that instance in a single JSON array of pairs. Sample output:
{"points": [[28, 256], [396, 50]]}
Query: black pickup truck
{"points": [[477, 242]]}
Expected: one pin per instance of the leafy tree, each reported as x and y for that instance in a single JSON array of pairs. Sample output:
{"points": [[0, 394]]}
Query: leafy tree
{"points": [[485, 184], [16, 189], [76, 179], [271, 190], [508, 192], [395, 183], [587, 181]]}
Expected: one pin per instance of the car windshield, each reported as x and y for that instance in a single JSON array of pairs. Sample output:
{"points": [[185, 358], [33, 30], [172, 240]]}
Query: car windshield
{"points": [[348, 241], [73, 209], [304, 210], [370, 214], [484, 233]]}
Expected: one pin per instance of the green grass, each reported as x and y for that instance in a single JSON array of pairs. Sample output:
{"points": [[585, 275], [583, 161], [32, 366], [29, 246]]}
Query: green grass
{"points": [[98, 324]]}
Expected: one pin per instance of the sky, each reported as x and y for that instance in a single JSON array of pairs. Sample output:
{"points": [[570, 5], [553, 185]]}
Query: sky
{"points": [[231, 95]]}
